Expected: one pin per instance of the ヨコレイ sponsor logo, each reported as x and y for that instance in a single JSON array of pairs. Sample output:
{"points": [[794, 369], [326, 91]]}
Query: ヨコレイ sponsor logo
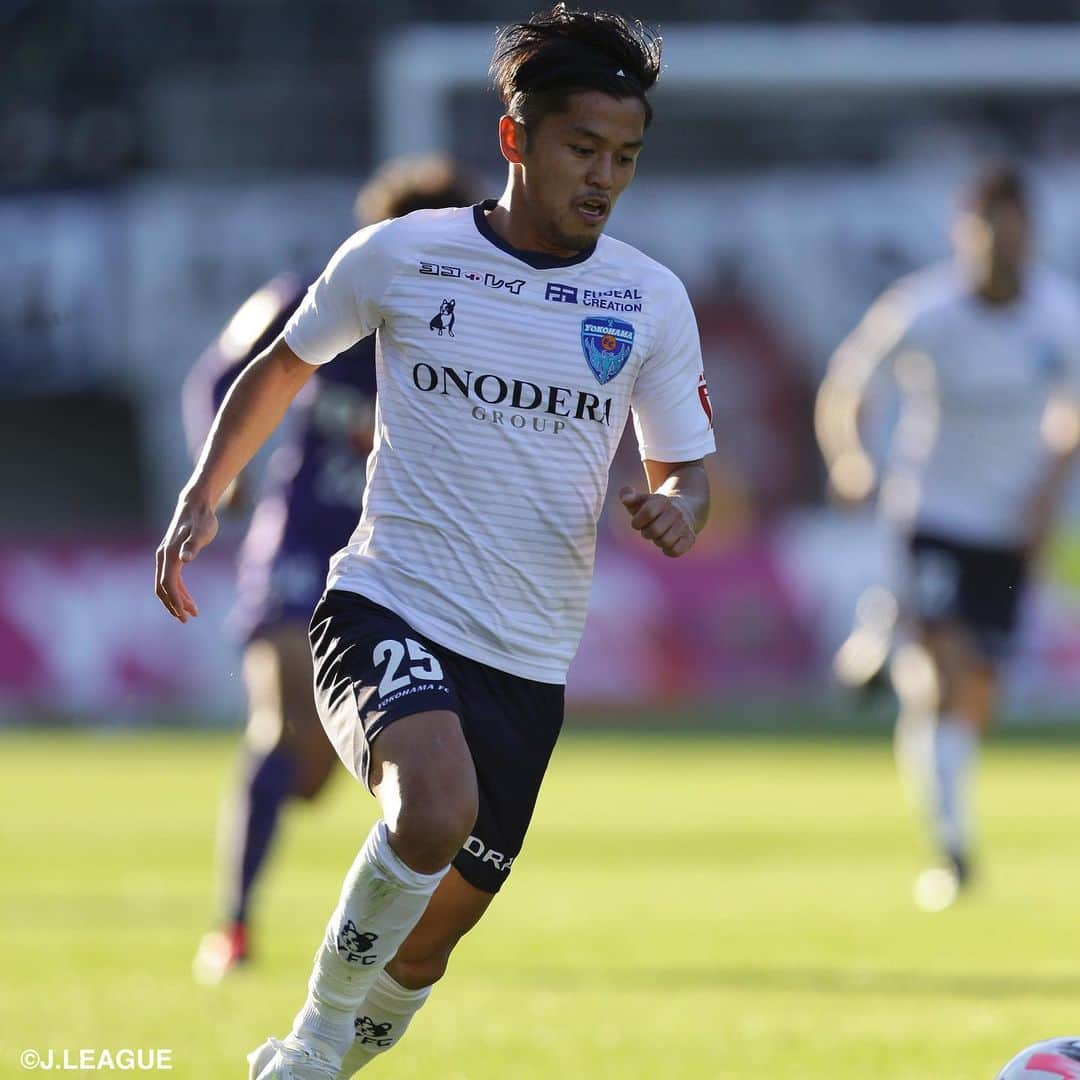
{"points": [[488, 279]]}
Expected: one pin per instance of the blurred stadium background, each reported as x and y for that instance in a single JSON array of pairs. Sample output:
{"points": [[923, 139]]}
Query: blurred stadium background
{"points": [[160, 159]]}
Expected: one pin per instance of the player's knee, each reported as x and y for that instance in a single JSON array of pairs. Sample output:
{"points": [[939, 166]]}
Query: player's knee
{"points": [[309, 788], [311, 779], [432, 824]]}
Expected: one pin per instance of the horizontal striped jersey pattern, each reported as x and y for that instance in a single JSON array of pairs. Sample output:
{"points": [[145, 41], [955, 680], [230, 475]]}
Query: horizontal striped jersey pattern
{"points": [[503, 389]]}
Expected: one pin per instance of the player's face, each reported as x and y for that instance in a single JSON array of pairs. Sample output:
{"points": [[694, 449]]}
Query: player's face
{"points": [[994, 241], [576, 164]]}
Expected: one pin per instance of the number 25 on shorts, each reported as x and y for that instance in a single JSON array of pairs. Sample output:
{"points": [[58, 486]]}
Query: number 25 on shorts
{"points": [[423, 665]]}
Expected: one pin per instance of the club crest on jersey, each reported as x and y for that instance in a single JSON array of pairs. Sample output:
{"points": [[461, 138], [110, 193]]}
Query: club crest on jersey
{"points": [[606, 343]]}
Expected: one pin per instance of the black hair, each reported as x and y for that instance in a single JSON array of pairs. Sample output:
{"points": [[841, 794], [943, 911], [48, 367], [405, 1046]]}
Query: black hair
{"points": [[538, 64], [1000, 182], [405, 184]]}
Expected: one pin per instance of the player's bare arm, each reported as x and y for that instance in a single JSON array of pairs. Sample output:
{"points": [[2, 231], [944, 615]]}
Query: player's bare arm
{"points": [[1061, 434], [675, 509], [252, 409], [836, 420], [840, 400]]}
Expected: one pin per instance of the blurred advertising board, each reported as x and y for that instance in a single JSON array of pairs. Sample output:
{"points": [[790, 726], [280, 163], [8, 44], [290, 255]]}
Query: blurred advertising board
{"points": [[83, 637]]}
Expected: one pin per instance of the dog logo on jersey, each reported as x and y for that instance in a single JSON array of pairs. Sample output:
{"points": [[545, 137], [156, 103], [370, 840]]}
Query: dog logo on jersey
{"points": [[445, 319], [356, 946], [368, 1032], [606, 343]]}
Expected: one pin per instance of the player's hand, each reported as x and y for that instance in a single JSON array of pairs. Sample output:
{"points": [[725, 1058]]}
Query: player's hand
{"points": [[852, 481], [193, 526], [663, 519]]}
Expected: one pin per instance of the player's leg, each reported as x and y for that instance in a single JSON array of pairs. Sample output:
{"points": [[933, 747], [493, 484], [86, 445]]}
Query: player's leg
{"points": [[511, 726], [404, 985], [948, 691], [965, 600], [423, 776], [302, 736], [969, 684], [286, 754], [374, 678]]}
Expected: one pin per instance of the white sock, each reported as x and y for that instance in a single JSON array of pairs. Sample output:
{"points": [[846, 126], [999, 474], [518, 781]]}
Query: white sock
{"points": [[381, 1021], [381, 901], [955, 747], [913, 749]]}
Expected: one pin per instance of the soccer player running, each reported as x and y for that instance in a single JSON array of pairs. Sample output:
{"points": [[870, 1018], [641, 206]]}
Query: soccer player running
{"points": [[305, 512], [985, 350], [513, 341]]}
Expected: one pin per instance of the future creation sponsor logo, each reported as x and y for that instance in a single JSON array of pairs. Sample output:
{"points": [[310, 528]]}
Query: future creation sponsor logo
{"points": [[514, 403], [560, 294], [608, 299], [488, 280]]}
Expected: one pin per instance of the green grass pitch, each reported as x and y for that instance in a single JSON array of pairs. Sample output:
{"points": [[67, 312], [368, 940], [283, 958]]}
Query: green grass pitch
{"points": [[686, 907]]}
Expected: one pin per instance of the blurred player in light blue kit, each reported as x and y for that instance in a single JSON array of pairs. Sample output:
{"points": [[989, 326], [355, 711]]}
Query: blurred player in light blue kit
{"points": [[307, 508], [985, 352]]}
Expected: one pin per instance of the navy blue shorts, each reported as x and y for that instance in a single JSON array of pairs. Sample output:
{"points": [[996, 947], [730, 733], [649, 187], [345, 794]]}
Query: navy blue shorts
{"points": [[372, 668], [979, 588]]}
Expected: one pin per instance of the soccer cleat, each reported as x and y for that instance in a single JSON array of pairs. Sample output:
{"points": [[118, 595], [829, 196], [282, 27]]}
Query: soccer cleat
{"points": [[289, 1060], [961, 868], [260, 1057], [220, 952]]}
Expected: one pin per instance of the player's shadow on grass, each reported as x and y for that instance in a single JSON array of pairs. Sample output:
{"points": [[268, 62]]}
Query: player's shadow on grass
{"points": [[828, 980]]}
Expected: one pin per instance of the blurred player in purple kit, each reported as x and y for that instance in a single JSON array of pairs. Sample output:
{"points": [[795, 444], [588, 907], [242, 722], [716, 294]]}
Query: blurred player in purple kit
{"points": [[308, 507]]}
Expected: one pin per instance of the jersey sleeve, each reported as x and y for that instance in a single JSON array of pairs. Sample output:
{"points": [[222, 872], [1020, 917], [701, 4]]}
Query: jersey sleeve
{"points": [[670, 401], [344, 304]]}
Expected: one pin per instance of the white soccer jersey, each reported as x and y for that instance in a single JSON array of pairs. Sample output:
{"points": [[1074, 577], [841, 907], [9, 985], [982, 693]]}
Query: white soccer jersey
{"points": [[504, 383], [975, 380]]}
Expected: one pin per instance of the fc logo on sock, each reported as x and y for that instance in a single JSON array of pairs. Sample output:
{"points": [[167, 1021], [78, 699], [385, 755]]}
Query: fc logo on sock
{"points": [[368, 1032], [356, 946]]}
